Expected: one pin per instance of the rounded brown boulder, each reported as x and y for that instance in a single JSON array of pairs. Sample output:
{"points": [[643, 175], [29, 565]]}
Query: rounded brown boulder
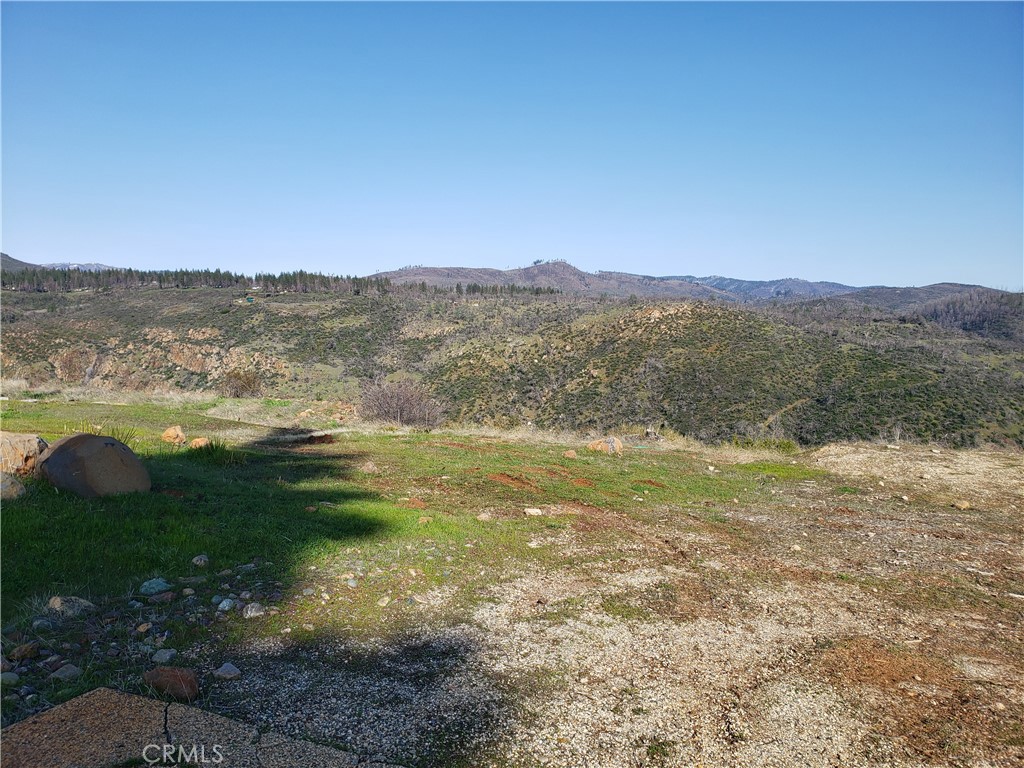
{"points": [[92, 465], [177, 682]]}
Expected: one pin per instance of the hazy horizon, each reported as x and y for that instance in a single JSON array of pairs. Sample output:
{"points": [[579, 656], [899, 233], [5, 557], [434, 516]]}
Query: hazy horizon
{"points": [[862, 144]]}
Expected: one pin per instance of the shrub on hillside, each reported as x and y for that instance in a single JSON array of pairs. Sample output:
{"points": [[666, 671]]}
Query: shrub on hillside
{"points": [[239, 382], [406, 403]]}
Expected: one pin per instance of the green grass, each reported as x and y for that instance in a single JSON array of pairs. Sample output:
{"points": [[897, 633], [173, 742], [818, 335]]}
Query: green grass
{"points": [[306, 506]]}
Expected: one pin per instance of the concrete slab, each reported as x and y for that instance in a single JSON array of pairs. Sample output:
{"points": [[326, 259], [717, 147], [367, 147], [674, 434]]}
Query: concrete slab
{"points": [[106, 728]]}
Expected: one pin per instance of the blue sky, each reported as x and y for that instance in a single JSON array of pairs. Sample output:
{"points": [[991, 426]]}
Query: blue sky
{"points": [[866, 143]]}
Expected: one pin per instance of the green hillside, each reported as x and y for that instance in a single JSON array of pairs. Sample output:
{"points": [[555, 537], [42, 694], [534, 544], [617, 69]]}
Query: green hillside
{"points": [[712, 370]]}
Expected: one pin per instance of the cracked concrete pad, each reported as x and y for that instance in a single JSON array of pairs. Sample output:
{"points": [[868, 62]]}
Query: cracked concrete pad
{"points": [[120, 726], [99, 728], [277, 751]]}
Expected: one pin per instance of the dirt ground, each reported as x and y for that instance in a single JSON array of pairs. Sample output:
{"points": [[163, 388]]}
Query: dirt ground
{"points": [[872, 617]]}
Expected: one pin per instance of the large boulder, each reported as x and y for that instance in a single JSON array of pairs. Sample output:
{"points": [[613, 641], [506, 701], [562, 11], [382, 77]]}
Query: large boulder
{"points": [[19, 452], [92, 465], [606, 445]]}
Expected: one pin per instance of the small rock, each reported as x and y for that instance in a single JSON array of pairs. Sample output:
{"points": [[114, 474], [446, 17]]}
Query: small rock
{"points": [[173, 435], [164, 655], [66, 673], [352, 583], [143, 628], [424, 520], [5, 665], [9, 678], [485, 517], [227, 671], [163, 597], [307, 591], [226, 605], [24, 651], [10, 487], [200, 561], [252, 610], [154, 586], [246, 595], [247, 567], [369, 468], [53, 663], [199, 442], [177, 682], [961, 505], [383, 602], [216, 599], [569, 454], [134, 605], [795, 548], [533, 511], [70, 606], [188, 592], [43, 625]]}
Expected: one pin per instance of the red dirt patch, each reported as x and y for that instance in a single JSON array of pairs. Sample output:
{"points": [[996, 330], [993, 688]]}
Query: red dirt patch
{"points": [[654, 484], [512, 482], [581, 482], [415, 504]]}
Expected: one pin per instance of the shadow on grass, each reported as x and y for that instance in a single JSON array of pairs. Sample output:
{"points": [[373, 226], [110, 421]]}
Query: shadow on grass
{"points": [[234, 505], [420, 699]]}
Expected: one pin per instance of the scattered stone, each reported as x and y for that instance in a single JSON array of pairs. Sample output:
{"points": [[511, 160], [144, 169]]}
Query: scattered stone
{"points": [[308, 591], [188, 592], [200, 561], [383, 602], [569, 454], [66, 673], [70, 606], [485, 517], [226, 572], [92, 465], [173, 435], [199, 442], [163, 597], [164, 655], [154, 586], [533, 511], [226, 605], [227, 671], [53, 663], [352, 583], [9, 678], [134, 605], [246, 568], [24, 651], [961, 505], [424, 520], [43, 625], [177, 682], [607, 445], [369, 468], [10, 487], [253, 610], [20, 452], [795, 548]]}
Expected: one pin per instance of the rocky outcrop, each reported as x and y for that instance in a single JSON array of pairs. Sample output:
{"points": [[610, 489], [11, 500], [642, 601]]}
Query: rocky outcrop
{"points": [[92, 465], [19, 452]]}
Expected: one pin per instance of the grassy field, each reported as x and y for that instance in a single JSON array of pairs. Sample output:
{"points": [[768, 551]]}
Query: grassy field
{"points": [[472, 598]]}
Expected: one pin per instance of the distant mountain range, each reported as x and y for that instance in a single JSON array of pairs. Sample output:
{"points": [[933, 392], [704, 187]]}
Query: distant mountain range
{"points": [[569, 279], [11, 264]]}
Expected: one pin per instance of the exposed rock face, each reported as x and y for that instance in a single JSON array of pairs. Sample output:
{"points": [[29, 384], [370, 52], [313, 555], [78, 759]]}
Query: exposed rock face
{"points": [[173, 435], [177, 682], [19, 452], [10, 487], [606, 445], [91, 465]]}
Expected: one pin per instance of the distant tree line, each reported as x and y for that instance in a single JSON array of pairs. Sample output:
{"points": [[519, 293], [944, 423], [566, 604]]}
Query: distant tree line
{"points": [[65, 280], [987, 313]]}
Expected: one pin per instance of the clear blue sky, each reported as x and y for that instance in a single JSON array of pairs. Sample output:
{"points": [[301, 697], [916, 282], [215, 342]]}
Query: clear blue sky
{"points": [[865, 143]]}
